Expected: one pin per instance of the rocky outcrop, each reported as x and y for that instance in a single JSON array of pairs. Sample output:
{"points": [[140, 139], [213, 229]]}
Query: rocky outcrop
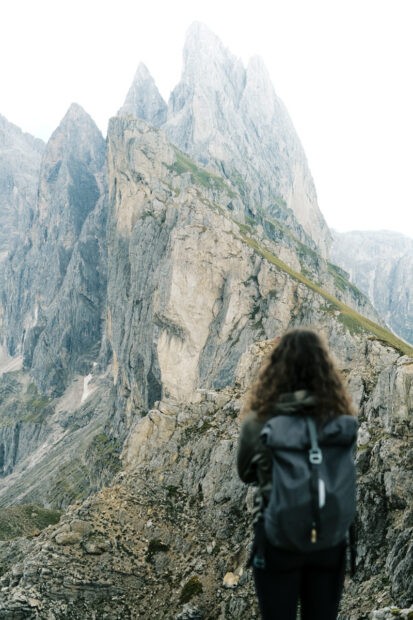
{"points": [[20, 158], [380, 264], [172, 536], [144, 100], [55, 283], [182, 285], [385, 465], [188, 292]]}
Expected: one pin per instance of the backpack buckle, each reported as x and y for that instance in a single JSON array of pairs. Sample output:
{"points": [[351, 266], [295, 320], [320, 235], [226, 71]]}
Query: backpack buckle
{"points": [[315, 456]]}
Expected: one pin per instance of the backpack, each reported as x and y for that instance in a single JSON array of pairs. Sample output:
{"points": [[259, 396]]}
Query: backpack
{"points": [[313, 495]]}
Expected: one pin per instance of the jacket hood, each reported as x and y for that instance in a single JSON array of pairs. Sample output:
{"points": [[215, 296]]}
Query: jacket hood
{"points": [[293, 402]]}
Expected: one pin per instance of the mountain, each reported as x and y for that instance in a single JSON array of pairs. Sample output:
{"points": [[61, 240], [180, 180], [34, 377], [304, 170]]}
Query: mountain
{"points": [[53, 308], [144, 99], [20, 158], [229, 117], [380, 264], [142, 298]]}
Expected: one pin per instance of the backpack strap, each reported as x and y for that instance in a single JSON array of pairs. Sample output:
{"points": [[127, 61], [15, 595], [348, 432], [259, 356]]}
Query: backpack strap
{"points": [[315, 457]]}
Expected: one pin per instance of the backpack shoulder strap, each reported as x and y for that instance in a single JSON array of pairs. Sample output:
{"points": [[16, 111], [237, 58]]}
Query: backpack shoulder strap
{"points": [[315, 457]]}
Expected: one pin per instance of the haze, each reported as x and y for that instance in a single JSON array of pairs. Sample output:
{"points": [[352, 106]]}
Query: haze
{"points": [[342, 69]]}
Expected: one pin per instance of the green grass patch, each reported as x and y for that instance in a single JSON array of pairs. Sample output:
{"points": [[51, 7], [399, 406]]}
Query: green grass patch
{"points": [[192, 587], [341, 280], [349, 317], [19, 404], [26, 520], [205, 178], [72, 483], [275, 229]]}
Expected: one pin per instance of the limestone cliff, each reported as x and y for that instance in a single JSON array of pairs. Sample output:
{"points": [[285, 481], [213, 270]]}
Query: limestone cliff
{"points": [[187, 293], [230, 118], [20, 158], [380, 264], [144, 99], [188, 287], [55, 281]]}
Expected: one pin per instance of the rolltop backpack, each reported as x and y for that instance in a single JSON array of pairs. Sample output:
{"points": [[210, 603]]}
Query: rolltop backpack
{"points": [[313, 495]]}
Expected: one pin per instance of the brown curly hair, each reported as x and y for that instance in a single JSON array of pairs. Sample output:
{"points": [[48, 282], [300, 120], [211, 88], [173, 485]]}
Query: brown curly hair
{"points": [[300, 361]]}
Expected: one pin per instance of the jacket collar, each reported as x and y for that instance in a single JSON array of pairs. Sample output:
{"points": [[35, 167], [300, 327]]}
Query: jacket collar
{"points": [[292, 402]]}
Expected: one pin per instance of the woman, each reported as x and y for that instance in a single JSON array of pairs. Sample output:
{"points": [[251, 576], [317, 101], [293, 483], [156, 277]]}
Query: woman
{"points": [[298, 378]]}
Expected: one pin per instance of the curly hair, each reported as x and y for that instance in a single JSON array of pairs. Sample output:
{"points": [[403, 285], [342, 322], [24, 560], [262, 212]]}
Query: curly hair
{"points": [[300, 361]]}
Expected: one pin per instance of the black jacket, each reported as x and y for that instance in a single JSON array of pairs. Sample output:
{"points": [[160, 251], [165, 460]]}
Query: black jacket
{"points": [[254, 462]]}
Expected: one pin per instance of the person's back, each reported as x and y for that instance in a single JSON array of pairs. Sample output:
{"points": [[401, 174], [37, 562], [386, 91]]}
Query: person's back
{"points": [[297, 382]]}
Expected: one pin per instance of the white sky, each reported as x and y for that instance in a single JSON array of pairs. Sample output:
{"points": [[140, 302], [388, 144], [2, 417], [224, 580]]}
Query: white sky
{"points": [[342, 67]]}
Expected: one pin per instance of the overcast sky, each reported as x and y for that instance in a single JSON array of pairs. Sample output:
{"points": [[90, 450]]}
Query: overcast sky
{"points": [[342, 67]]}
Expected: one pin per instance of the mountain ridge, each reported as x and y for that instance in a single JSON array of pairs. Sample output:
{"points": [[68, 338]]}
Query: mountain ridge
{"points": [[218, 115]]}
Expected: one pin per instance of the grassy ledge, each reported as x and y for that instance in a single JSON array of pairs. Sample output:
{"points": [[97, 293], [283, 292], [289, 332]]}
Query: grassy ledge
{"points": [[353, 320], [26, 520], [200, 176]]}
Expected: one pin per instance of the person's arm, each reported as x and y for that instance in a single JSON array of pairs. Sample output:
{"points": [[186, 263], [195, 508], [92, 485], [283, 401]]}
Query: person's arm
{"points": [[251, 451]]}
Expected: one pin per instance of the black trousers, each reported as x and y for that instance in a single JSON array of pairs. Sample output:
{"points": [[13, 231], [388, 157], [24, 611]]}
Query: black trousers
{"points": [[314, 579]]}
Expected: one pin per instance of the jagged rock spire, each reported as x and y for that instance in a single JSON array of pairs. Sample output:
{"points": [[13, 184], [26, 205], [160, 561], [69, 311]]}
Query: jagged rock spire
{"points": [[207, 62], [144, 100], [67, 188], [20, 159], [229, 116]]}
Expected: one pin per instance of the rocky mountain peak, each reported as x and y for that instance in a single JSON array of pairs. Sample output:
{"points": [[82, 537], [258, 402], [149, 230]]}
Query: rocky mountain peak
{"points": [[76, 116], [68, 190], [230, 118], [208, 64], [200, 40], [12, 136], [62, 253], [20, 159], [77, 135], [144, 100], [259, 87]]}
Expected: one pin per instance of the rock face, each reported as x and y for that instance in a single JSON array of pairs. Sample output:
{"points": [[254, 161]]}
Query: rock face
{"points": [[187, 291], [381, 265], [20, 158], [55, 282], [172, 535], [185, 326], [143, 301], [229, 118], [144, 100]]}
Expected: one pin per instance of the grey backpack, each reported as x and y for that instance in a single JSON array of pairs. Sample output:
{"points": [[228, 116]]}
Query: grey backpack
{"points": [[313, 496]]}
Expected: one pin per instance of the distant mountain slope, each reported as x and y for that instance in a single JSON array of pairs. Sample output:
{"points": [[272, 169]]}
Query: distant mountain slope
{"points": [[380, 263]]}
